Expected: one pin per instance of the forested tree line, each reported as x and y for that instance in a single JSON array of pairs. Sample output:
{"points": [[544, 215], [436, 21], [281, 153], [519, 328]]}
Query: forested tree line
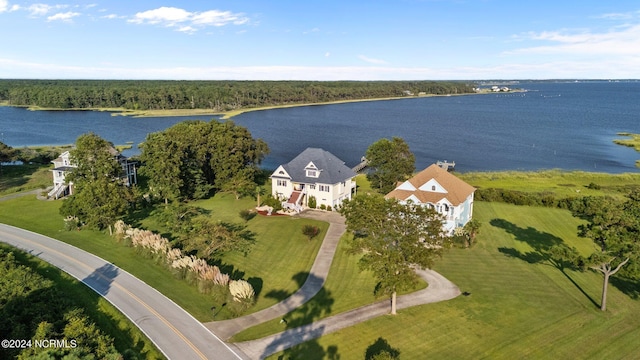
{"points": [[214, 95]]}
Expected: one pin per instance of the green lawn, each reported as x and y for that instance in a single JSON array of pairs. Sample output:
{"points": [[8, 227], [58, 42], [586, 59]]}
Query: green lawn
{"points": [[518, 307], [24, 177], [346, 288], [276, 266]]}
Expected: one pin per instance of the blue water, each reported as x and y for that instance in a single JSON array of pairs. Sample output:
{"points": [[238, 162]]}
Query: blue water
{"points": [[552, 125]]}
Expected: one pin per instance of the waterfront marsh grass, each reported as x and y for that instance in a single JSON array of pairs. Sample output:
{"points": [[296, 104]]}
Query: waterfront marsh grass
{"points": [[106, 317], [633, 140], [514, 308], [558, 182]]}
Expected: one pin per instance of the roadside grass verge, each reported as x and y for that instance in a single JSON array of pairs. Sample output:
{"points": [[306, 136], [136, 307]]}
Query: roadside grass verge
{"points": [[516, 307], [557, 182], [42, 217], [276, 266], [128, 339]]}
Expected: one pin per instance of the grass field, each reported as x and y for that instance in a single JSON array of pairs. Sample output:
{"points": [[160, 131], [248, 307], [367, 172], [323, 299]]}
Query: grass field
{"points": [[111, 321], [560, 183], [24, 177], [520, 304], [518, 307]]}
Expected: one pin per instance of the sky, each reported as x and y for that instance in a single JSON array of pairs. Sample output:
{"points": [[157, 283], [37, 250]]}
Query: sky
{"points": [[320, 40]]}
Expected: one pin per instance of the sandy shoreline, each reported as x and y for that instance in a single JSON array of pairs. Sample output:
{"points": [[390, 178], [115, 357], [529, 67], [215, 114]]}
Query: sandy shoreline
{"points": [[226, 114]]}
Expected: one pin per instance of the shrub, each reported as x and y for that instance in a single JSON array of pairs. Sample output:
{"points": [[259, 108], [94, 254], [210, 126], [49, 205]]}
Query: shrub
{"points": [[241, 291], [312, 202], [593, 186], [273, 202], [71, 223], [310, 231], [323, 207], [247, 215]]}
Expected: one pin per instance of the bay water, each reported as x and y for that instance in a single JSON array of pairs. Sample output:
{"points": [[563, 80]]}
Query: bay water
{"points": [[564, 125]]}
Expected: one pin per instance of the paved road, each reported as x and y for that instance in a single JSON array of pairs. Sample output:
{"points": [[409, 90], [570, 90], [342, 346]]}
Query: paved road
{"points": [[317, 276], [176, 333]]}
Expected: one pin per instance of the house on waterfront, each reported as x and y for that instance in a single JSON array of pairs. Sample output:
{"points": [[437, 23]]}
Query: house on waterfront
{"points": [[313, 173], [63, 166], [440, 190]]}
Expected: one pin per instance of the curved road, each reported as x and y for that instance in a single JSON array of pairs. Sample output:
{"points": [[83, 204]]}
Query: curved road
{"points": [[180, 336], [174, 331]]}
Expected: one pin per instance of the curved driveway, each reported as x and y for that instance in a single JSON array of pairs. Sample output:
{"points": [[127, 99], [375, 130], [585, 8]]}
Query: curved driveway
{"points": [[174, 331], [180, 336]]}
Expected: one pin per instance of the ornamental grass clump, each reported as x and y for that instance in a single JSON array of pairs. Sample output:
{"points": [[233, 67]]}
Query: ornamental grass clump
{"points": [[241, 290], [194, 270]]}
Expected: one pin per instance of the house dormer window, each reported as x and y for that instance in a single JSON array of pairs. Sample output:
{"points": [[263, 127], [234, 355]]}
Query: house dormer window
{"points": [[433, 188], [312, 173]]}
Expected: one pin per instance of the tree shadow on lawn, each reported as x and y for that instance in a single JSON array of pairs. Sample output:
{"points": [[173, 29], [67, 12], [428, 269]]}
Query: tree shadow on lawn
{"points": [[381, 349], [628, 286], [548, 249], [279, 295], [298, 325]]}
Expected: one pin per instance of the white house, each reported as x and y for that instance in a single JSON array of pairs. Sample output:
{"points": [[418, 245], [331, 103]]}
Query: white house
{"points": [[440, 190], [314, 173], [63, 165]]}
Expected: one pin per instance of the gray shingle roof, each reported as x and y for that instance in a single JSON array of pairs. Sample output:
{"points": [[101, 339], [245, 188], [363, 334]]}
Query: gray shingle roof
{"points": [[332, 170]]}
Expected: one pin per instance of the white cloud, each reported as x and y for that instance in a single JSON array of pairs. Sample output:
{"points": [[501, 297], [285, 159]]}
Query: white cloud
{"points": [[186, 21], [371, 60], [39, 9], [110, 16], [4, 5], [327, 54], [165, 15], [187, 29], [618, 41], [218, 18], [67, 16], [619, 16]]}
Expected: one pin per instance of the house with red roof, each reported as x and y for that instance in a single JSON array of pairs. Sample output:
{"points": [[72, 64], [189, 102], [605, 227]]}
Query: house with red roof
{"points": [[440, 190]]}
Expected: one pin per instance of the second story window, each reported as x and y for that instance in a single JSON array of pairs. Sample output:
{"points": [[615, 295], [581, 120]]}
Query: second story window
{"points": [[312, 173]]}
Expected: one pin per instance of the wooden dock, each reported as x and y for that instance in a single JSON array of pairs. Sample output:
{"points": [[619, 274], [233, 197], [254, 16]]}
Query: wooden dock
{"points": [[363, 164], [449, 166]]}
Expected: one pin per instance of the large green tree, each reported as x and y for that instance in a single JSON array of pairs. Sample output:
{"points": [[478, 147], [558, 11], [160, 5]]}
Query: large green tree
{"points": [[190, 159], [393, 238], [390, 161], [100, 196], [615, 230]]}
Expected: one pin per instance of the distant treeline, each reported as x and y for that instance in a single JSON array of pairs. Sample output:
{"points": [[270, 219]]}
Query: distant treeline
{"points": [[214, 95]]}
